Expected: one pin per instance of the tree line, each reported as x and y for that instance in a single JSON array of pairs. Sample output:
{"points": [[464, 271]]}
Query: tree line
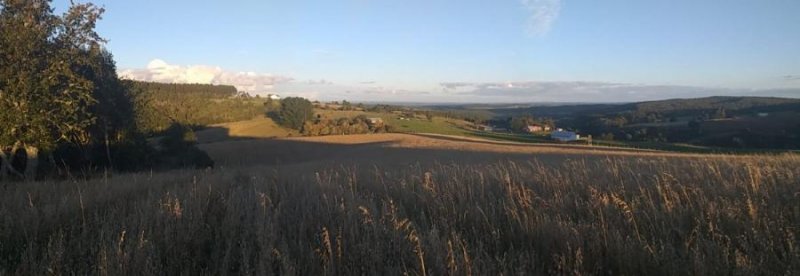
{"points": [[343, 126], [159, 105]]}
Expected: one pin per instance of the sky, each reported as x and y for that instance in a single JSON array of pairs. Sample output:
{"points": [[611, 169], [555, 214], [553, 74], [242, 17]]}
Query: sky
{"points": [[477, 51]]}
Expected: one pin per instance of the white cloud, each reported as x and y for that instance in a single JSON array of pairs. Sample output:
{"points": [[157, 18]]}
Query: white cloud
{"points": [[581, 91], [543, 13], [160, 71]]}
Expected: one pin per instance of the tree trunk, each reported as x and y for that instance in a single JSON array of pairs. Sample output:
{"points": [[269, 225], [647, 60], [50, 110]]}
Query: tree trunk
{"points": [[32, 162], [108, 151], [3, 164], [6, 166]]}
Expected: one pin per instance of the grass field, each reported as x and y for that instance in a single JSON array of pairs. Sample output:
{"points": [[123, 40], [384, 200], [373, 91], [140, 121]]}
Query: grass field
{"points": [[266, 128], [456, 127], [438, 125], [261, 127], [415, 204]]}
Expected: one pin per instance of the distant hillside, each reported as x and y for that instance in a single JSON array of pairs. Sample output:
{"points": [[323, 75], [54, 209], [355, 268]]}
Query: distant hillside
{"points": [[559, 111], [731, 122], [730, 104], [671, 106], [158, 105]]}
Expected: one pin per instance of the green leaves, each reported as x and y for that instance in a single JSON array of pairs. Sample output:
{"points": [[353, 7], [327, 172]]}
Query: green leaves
{"points": [[294, 112], [47, 93]]}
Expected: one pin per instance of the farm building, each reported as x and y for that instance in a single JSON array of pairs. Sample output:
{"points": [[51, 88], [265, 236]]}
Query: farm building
{"points": [[485, 128], [564, 136], [537, 128]]}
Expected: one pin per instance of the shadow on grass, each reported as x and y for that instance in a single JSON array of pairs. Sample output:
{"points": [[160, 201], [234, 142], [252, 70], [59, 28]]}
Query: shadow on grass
{"points": [[249, 151], [229, 151], [529, 143]]}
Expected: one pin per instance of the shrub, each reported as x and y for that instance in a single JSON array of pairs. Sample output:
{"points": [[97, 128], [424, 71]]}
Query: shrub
{"points": [[357, 125], [294, 112]]}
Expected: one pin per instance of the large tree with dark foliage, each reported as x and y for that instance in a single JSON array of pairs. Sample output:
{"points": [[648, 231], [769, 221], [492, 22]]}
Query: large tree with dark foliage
{"points": [[60, 96], [294, 112], [52, 70]]}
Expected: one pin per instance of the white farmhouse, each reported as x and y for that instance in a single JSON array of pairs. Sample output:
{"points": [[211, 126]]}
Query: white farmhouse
{"points": [[564, 136]]}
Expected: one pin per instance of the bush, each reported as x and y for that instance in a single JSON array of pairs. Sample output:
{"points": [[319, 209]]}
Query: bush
{"points": [[357, 125], [294, 112]]}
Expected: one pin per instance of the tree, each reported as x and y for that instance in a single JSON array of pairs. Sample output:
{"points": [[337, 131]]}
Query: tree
{"points": [[113, 109], [607, 136], [520, 123], [46, 90], [720, 113], [59, 91], [294, 112], [271, 105], [695, 126], [429, 116]]}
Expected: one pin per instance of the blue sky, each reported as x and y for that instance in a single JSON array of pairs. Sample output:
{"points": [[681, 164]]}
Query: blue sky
{"points": [[466, 50]]}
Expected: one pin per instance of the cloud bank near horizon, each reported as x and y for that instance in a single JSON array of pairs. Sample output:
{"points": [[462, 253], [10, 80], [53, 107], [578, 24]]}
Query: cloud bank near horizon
{"points": [[581, 91], [160, 71], [445, 92], [261, 84]]}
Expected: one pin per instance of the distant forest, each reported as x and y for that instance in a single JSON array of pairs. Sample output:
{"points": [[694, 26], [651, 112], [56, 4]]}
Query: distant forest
{"points": [[672, 107], [158, 105]]}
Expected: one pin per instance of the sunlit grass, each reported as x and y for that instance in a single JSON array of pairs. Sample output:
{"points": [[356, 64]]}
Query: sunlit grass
{"points": [[626, 215]]}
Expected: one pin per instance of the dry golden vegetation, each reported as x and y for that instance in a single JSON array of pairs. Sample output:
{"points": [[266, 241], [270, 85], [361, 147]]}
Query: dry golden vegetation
{"points": [[260, 127], [399, 204]]}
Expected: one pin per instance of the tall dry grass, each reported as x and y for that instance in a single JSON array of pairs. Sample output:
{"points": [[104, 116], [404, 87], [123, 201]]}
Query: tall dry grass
{"points": [[628, 216]]}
